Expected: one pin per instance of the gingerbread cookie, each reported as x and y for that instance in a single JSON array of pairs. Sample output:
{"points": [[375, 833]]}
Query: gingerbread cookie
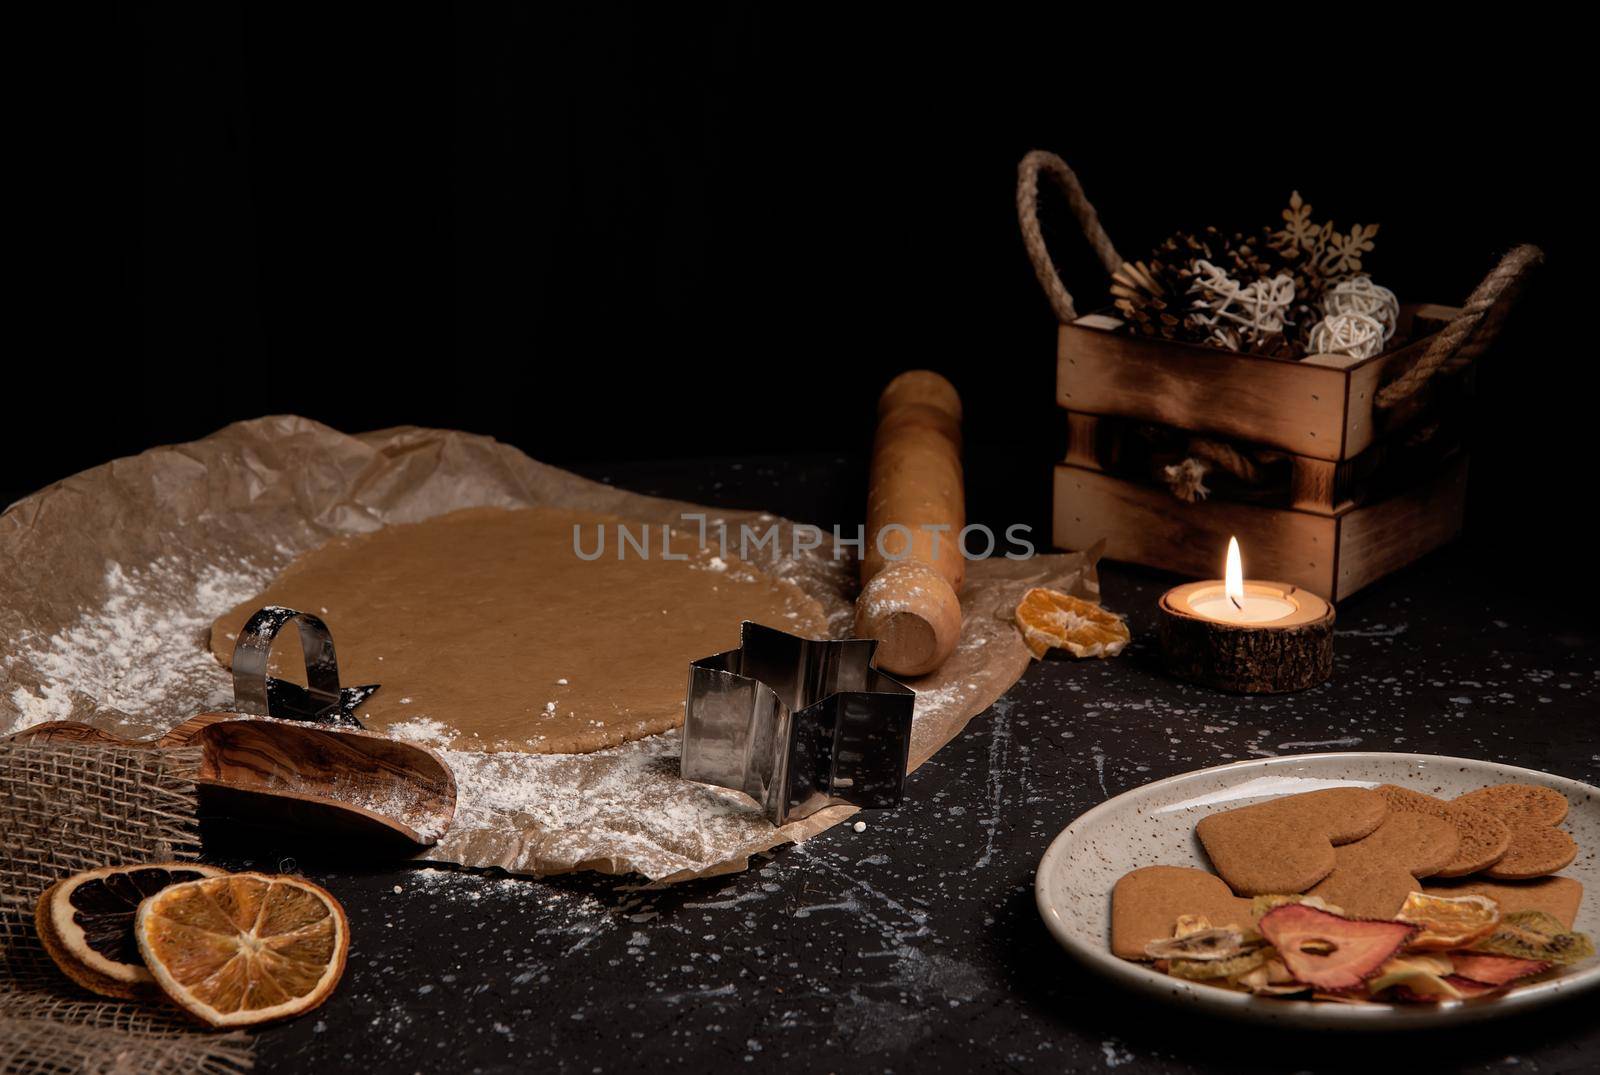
{"points": [[1532, 814], [1484, 837], [1287, 845], [1146, 903], [1372, 877], [1558, 897]]}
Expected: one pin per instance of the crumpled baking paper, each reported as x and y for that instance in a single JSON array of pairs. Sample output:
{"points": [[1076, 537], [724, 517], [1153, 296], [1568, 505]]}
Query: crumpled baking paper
{"points": [[109, 581]]}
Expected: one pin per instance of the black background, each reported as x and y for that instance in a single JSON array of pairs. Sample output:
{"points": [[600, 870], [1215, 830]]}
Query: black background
{"points": [[616, 234]]}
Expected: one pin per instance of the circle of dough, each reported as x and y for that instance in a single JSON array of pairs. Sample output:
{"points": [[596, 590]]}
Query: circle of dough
{"points": [[488, 632]]}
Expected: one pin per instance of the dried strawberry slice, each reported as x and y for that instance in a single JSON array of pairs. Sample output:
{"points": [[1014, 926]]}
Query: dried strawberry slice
{"points": [[1328, 951], [1495, 970]]}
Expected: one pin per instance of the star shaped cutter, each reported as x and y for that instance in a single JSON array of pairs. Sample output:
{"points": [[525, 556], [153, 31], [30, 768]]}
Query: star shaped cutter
{"points": [[321, 700], [797, 724]]}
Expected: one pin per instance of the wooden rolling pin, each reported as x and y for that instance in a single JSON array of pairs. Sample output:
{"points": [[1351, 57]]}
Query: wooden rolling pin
{"points": [[912, 567]]}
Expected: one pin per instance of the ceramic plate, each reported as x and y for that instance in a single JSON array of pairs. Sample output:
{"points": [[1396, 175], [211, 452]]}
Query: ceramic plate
{"points": [[1154, 825]]}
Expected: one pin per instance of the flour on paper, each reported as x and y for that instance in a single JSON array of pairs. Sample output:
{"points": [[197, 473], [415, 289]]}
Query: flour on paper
{"points": [[140, 653]]}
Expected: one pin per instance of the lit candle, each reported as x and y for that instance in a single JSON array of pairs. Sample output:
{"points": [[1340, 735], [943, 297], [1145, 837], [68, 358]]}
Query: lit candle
{"points": [[1237, 601], [1247, 635]]}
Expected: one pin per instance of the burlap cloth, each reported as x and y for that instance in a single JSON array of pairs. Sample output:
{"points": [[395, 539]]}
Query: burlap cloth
{"points": [[69, 808]]}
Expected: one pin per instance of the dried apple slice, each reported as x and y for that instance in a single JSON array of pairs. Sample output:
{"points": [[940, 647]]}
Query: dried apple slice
{"points": [[1206, 970], [1330, 952], [1206, 944], [1422, 976]]}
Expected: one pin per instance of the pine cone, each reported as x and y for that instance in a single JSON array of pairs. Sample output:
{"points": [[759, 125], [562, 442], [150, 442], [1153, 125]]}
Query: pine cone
{"points": [[1160, 297], [1150, 296]]}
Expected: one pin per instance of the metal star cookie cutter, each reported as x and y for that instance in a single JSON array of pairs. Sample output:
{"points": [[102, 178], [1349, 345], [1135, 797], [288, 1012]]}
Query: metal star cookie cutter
{"points": [[797, 724], [321, 700]]}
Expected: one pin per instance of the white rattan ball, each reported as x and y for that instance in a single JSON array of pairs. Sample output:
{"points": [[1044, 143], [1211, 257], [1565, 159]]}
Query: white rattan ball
{"points": [[1359, 295], [1356, 335]]}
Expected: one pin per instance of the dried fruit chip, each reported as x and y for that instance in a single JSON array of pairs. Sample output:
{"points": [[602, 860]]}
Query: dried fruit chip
{"points": [[85, 923], [1495, 970], [1538, 921], [1421, 976], [1328, 951], [1538, 936], [245, 948], [1342, 998], [1260, 905], [1272, 978], [1449, 921], [1207, 944], [1468, 988], [1049, 619], [1213, 969]]}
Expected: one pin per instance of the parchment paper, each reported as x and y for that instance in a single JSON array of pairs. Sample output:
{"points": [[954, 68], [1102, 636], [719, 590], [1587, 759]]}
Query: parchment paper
{"points": [[109, 581]]}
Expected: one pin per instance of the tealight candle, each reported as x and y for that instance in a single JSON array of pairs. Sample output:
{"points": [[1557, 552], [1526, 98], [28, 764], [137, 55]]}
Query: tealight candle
{"points": [[1235, 601], [1246, 635]]}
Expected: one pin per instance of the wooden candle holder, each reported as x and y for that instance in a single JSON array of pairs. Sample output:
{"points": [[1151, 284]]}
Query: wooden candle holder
{"points": [[1290, 654]]}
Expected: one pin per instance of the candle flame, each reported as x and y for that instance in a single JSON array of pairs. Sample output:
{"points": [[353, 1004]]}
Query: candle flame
{"points": [[1233, 577]]}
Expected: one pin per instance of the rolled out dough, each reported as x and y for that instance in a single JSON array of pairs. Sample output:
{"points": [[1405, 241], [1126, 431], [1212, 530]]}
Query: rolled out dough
{"points": [[488, 632]]}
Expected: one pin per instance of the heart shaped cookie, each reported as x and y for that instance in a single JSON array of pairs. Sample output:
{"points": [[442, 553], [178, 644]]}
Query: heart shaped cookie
{"points": [[1146, 903], [1558, 897], [1286, 845], [1372, 877]]}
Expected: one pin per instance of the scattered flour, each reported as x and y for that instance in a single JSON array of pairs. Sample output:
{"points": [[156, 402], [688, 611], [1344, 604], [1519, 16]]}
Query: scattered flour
{"points": [[573, 908], [626, 799], [142, 653], [423, 731]]}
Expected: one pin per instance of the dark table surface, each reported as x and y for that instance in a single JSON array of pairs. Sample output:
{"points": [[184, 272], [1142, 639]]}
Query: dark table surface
{"points": [[915, 945]]}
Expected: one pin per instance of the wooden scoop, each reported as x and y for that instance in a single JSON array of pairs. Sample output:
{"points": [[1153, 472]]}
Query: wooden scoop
{"points": [[72, 731], [335, 783]]}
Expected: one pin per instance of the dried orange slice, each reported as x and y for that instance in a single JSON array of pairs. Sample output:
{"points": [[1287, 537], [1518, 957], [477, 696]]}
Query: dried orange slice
{"points": [[85, 923], [1050, 619], [245, 948], [1449, 921]]}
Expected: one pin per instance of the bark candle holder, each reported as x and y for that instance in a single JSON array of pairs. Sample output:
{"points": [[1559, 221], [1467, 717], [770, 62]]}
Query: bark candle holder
{"points": [[1253, 637]]}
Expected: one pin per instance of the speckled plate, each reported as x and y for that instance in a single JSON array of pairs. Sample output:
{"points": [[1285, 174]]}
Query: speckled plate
{"points": [[1154, 825]]}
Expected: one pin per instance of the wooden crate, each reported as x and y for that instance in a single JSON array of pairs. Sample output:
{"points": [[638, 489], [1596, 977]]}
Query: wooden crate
{"points": [[1332, 555], [1327, 532]]}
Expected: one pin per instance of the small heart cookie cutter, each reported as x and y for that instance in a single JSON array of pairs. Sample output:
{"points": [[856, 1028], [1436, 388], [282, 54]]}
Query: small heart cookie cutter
{"points": [[798, 724]]}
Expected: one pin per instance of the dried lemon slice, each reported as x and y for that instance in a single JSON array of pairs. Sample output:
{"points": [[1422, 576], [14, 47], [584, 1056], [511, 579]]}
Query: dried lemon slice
{"points": [[1050, 619], [1449, 921], [245, 948], [85, 923]]}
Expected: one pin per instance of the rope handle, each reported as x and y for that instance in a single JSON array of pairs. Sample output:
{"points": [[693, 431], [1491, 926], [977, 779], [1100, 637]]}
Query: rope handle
{"points": [[1457, 343], [1066, 179], [1477, 325]]}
